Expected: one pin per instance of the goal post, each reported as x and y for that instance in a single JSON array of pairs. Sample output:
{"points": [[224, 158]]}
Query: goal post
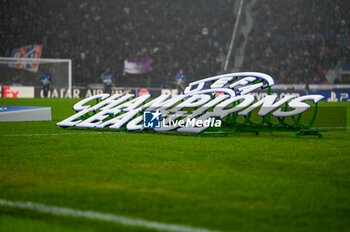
{"points": [[26, 71]]}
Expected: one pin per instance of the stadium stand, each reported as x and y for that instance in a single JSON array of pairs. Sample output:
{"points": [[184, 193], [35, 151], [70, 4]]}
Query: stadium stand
{"points": [[298, 41], [295, 41], [192, 35]]}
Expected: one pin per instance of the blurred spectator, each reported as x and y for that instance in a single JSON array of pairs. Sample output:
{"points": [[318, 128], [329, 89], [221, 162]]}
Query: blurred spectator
{"points": [[107, 81], [45, 81], [180, 80]]}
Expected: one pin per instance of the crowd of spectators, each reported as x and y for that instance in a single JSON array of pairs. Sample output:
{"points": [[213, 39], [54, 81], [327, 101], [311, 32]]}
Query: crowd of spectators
{"points": [[298, 41], [295, 41], [96, 34]]}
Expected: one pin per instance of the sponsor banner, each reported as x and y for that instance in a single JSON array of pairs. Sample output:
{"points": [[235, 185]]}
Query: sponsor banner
{"points": [[28, 52], [312, 87], [17, 92], [335, 96], [137, 66], [79, 92], [28, 92], [330, 96], [171, 92]]}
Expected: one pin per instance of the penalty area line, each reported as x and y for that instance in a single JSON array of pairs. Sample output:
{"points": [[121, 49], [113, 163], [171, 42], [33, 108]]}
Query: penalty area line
{"points": [[122, 220]]}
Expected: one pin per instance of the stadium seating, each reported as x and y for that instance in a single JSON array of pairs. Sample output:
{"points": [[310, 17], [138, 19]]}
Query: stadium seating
{"points": [[192, 35], [298, 41]]}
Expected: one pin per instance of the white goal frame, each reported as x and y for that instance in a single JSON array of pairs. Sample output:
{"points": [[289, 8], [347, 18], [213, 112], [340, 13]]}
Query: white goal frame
{"points": [[47, 60]]}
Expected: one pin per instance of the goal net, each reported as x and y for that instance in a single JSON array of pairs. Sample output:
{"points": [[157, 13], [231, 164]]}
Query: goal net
{"points": [[28, 72]]}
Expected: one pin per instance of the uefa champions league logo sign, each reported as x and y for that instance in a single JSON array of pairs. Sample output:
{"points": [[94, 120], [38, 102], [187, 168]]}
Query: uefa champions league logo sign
{"points": [[214, 102]]}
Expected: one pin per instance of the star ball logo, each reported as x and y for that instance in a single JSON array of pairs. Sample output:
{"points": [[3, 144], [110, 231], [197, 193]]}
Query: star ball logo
{"points": [[151, 119]]}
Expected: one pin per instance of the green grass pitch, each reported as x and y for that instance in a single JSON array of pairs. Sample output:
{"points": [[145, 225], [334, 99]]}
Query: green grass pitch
{"points": [[245, 182]]}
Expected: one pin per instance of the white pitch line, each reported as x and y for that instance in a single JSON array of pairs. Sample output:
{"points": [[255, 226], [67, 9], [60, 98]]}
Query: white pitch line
{"points": [[333, 127], [54, 134], [122, 220], [98, 133]]}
